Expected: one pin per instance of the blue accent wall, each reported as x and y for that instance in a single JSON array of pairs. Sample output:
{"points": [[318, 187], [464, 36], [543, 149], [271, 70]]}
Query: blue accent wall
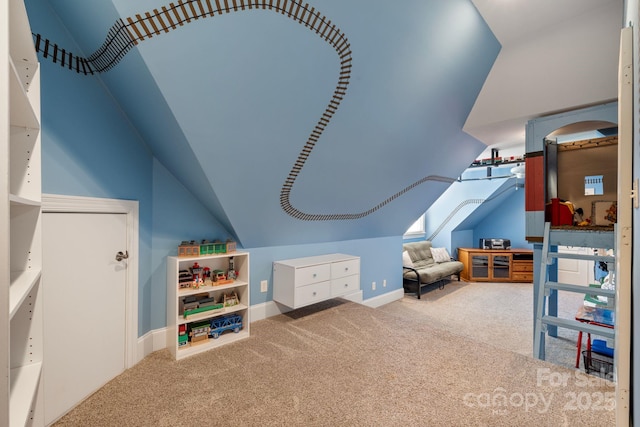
{"points": [[478, 207], [230, 119], [148, 130], [177, 216], [507, 221], [380, 259], [462, 206], [90, 148]]}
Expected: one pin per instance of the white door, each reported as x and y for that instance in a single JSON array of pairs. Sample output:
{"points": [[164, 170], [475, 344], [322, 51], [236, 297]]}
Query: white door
{"points": [[84, 306], [575, 271]]}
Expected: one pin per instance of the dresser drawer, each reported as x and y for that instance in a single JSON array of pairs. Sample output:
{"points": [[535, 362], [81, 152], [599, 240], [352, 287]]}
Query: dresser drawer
{"points": [[312, 274], [345, 285], [522, 266], [345, 268], [311, 294], [304, 281], [522, 277]]}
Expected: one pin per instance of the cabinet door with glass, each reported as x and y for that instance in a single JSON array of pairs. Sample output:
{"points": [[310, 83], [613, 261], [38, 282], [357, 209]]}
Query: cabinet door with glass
{"points": [[500, 267], [482, 265]]}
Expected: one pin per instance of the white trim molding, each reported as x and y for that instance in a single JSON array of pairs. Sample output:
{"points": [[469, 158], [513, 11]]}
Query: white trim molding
{"points": [[383, 299], [271, 308], [150, 342], [78, 204]]}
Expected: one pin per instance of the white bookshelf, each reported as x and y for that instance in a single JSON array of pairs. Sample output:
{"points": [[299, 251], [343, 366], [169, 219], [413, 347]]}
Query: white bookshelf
{"points": [[176, 296], [21, 326]]}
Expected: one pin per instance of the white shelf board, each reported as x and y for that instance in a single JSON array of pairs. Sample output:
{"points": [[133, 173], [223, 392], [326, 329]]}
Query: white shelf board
{"points": [[211, 314], [210, 256], [22, 282], [24, 384], [23, 201], [202, 289], [225, 338]]}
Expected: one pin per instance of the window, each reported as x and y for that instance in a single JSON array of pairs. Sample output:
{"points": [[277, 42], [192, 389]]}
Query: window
{"points": [[416, 228]]}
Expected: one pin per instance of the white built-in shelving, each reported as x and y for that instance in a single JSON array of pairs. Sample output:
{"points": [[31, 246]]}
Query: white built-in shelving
{"points": [[176, 295], [21, 326]]}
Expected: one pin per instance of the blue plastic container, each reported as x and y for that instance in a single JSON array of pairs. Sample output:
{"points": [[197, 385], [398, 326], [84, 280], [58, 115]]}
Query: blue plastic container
{"points": [[600, 347]]}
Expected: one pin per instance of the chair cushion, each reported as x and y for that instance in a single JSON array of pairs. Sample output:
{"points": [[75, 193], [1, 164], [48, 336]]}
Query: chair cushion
{"points": [[406, 260], [435, 272], [420, 253], [440, 255]]}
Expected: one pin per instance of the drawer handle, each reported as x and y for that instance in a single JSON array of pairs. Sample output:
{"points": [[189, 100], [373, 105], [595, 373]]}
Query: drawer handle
{"points": [[314, 294], [346, 269], [346, 285], [314, 274]]}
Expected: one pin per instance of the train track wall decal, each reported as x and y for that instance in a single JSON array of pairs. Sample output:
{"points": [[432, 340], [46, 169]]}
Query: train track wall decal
{"points": [[467, 203], [126, 34]]}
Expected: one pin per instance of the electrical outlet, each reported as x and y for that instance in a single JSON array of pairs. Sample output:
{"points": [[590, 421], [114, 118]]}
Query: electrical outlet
{"points": [[384, 283], [373, 286], [264, 286]]}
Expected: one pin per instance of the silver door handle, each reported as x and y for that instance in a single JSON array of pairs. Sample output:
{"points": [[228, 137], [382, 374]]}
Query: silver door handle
{"points": [[120, 256]]}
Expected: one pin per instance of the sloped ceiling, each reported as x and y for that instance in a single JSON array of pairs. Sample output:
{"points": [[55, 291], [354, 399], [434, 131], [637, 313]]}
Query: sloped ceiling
{"points": [[298, 122], [556, 56]]}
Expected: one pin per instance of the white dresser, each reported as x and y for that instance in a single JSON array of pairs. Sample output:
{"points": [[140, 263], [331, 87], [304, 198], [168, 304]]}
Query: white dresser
{"points": [[303, 281]]}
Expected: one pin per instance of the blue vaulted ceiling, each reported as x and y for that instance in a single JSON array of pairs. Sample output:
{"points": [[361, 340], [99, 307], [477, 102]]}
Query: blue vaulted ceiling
{"points": [[296, 122]]}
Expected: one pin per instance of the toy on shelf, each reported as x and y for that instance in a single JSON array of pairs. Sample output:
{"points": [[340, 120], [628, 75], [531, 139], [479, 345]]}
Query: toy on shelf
{"points": [[231, 299], [559, 212], [185, 278], [206, 247], [220, 278], [189, 248], [612, 213], [232, 274], [578, 218], [218, 325], [230, 246], [189, 303], [194, 304], [196, 272], [199, 331], [206, 275], [183, 337]]}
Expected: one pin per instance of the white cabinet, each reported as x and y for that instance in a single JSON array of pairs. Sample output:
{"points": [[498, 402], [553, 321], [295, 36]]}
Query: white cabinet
{"points": [[303, 281], [214, 313], [21, 328]]}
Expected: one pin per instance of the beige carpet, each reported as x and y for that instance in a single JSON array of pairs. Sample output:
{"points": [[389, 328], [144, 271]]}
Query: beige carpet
{"points": [[500, 314], [344, 364]]}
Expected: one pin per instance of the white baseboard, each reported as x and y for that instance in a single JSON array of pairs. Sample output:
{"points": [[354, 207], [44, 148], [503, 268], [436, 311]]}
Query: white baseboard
{"points": [[151, 341], [354, 297], [265, 310], [270, 308], [157, 339], [383, 299]]}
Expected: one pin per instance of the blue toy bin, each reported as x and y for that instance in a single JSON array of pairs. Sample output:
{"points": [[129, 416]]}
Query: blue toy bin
{"points": [[600, 347]]}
